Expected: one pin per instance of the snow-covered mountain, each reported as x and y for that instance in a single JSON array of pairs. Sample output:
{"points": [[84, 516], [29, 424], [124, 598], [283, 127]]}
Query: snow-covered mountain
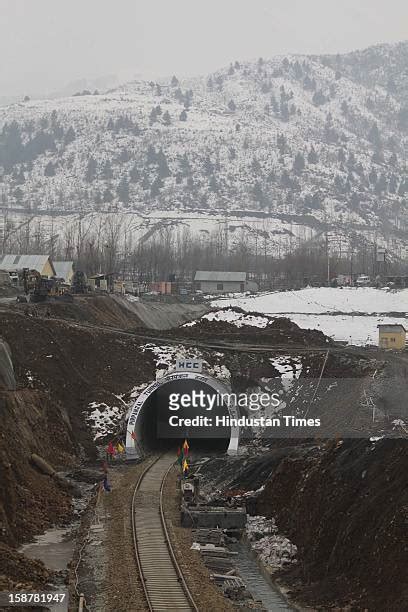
{"points": [[275, 151]]}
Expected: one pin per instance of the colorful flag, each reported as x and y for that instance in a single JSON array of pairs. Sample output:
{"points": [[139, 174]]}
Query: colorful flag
{"points": [[111, 449], [185, 466], [133, 435]]}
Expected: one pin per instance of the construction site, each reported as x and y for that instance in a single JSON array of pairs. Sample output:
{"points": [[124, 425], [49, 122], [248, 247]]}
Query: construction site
{"points": [[304, 518]]}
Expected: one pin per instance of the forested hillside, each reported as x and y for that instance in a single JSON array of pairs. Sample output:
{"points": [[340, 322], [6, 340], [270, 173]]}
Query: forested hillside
{"points": [[309, 141]]}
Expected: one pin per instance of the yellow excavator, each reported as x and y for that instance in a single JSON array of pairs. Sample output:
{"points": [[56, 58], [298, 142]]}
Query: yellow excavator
{"points": [[36, 287]]}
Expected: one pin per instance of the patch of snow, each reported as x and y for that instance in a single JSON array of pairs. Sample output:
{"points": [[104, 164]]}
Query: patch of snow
{"points": [[273, 549]]}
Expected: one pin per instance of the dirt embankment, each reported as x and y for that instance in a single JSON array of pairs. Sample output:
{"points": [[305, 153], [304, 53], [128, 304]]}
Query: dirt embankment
{"points": [[75, 366], [59, 370], [345, 507], [117, 311], [279, 332]]}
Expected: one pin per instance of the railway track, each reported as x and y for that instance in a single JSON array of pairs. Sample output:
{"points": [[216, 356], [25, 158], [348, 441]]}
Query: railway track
{"points": [[162, 579]]}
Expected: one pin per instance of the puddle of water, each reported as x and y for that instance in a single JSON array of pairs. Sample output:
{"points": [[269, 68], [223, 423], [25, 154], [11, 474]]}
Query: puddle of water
{"points": [[258, 584], [54, 548]]}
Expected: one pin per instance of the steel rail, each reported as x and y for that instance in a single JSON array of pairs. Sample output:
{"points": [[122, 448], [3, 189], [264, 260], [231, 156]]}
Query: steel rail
{"points": [[162, 578]]}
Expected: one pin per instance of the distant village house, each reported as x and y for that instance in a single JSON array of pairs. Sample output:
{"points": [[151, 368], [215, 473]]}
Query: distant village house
{"points": [[223, 282], [392, 336], [40, 263]]}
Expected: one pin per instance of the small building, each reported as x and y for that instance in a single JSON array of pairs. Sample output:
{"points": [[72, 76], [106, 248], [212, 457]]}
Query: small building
{"points": [[223, 282], [162, 287], [101, 282], [392, 336], [40, 263], [64, 270]]}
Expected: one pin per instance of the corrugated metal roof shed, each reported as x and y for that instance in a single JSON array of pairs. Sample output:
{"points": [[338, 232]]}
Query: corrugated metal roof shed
{"points": [[220, 277], [391, 327], [12, 263], [63, 269]]}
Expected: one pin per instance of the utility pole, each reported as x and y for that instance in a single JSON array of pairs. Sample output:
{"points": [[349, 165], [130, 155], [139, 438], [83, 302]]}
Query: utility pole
{"points": [[328, 259]]}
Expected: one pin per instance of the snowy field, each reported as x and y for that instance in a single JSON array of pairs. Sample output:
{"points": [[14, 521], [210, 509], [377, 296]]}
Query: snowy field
{"points": [[317, 300], [320, 308]]}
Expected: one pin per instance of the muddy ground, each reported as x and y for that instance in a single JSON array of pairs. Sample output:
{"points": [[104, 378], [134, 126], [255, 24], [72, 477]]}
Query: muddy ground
{"points": [[344, 505]]}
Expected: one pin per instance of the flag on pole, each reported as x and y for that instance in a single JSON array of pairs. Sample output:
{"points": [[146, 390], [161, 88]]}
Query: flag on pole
{"points": [[133, 435], [180, 456], [111, 449], [185, 448], [185, 466]]}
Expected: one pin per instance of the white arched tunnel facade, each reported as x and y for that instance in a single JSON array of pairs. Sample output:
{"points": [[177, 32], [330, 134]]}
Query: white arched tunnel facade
{"points": [[134, 444]]}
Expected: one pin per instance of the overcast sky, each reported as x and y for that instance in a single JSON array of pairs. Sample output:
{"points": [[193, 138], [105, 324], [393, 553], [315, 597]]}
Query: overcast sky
{"points": [[44, 44]]}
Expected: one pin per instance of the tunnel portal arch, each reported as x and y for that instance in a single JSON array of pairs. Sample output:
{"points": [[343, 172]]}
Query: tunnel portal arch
{"points": [[134, 449]]}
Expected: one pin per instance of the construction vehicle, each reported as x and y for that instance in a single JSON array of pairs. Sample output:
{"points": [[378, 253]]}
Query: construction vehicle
{"points": [[79, 283], [36, 287]]}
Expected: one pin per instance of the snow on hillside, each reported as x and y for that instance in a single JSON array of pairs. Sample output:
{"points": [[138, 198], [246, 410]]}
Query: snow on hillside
{"points": [[297, 141]]}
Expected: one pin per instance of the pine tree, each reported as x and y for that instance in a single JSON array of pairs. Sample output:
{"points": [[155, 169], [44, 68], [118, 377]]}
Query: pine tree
{"points": [[185, 165], [319, 98], [341, 156], [258, 194], [183, 115], [372, 177], [124, 156], [91, 168], [174, 81], [344, 107], [212, 184], [208, 166], [381, 184], [403, 188], [299, 163], [69, 136], [49, 169], [403, 117], [107, 196], [232, 106], [12, 149], [123, 190], [374, 135], [134, 174], [393, 160], [255, 166], [393, 184], [151, 155], [312, 156], [107, 172], [284, 111], [167, 118], [156, 186], [153, 116], [281, 143], [163, 167]]}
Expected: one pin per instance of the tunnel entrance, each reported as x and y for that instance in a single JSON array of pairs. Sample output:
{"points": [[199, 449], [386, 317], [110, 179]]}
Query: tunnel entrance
{"points": [[178, 406]]}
